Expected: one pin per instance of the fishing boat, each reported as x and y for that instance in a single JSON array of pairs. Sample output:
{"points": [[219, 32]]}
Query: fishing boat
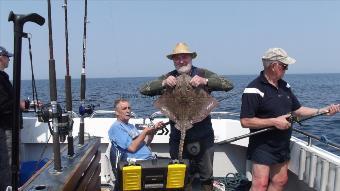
{"points": [[310, 167]]}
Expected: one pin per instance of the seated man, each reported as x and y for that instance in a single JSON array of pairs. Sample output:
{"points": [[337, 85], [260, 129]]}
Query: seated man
{"points": [[125, 136]]}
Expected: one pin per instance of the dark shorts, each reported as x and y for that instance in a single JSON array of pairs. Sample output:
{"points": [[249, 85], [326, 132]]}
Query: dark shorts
{"points": [[201, 163], [263, 156]]}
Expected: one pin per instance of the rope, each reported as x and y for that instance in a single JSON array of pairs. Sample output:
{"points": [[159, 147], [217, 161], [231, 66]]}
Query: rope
{"points": [[232, 182]]}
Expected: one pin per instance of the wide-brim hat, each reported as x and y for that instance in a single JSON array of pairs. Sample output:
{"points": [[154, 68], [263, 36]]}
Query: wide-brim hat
{"points": [[4, 52], [181, 48], [278, 54]]}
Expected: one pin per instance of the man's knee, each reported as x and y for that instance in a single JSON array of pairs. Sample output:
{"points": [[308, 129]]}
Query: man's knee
{"points": [[279, 175], [260, 180], [259, 184], [279, 181]]}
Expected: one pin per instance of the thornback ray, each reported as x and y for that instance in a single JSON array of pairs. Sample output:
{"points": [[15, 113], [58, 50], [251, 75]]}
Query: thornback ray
{"points": [[185, 105]]}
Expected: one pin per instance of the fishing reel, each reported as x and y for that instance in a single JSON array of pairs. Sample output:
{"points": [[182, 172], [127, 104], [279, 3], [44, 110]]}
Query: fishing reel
{"points": [[65, 122], [294, 119], [45, 113], [32, 105], [86, 109]]}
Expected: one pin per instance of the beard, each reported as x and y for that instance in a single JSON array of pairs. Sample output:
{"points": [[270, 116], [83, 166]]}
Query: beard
{"points": [[184, 69]]}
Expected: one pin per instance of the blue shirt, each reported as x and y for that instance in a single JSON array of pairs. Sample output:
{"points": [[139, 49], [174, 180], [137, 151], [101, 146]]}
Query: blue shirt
{"points": [[121, 135]]}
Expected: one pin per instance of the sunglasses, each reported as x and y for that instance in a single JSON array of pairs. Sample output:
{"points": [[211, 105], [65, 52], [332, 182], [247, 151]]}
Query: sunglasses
{"points": [[179, 57], [283, 66]]}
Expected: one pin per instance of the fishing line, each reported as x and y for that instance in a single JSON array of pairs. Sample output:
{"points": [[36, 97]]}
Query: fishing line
{"points": [[43, 152]]}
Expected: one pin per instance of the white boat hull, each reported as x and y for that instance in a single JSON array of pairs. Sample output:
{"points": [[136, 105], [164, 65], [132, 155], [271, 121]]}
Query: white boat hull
{"points": [[310, 168]]}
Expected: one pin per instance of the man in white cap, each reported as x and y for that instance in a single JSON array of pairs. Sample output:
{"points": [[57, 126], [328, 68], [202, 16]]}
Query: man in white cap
{"points": [[201, 133], [6, 116], [267, 102], [6, 104]]}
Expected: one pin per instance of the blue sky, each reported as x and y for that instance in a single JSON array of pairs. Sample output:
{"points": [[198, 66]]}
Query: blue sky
{"points": [[131, 38]]}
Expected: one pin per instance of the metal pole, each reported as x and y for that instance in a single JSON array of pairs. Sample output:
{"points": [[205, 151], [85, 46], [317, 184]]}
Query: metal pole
{"points": [[19, 21], [311, 136]]}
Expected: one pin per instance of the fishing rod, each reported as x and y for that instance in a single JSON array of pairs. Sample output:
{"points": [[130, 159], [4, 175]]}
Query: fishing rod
{"points": [[292, 119], [55, 112], [61, 122], [19, 22], [68, 92], [34, 103], [83, 83]]}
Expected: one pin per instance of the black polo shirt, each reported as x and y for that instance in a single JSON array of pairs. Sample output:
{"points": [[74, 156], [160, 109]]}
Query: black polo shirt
{"points": [[262, 100]]}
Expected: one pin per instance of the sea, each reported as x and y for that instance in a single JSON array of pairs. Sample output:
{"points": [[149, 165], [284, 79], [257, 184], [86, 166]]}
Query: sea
{"points": [[312, 90]]}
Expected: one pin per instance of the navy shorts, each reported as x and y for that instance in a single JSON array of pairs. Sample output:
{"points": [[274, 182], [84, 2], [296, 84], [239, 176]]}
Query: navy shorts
{"points": [[262, 156]]}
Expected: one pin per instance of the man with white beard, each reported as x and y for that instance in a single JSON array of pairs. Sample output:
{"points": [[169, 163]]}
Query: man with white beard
{"points": [[199, 140]]}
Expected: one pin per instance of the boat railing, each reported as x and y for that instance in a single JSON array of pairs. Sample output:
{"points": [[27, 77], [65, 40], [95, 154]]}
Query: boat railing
{"points": [[159, 114], [101, 112], [224, 113], [74, 114], [321, 139], [316, 167]]}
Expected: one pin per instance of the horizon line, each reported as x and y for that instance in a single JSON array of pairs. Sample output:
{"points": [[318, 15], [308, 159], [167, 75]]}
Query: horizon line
{"points": [[159, 75]]}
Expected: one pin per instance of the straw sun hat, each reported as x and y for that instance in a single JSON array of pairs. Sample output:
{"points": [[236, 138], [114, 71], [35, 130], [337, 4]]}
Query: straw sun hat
{"points": [[181, 48]]}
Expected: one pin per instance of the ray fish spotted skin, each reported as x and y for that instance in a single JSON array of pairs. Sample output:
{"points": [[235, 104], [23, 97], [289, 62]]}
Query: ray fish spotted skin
{"points": [[185, 105]]}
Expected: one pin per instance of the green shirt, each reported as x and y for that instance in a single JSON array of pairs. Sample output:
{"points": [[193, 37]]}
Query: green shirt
{"points": [[215, 82]]}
